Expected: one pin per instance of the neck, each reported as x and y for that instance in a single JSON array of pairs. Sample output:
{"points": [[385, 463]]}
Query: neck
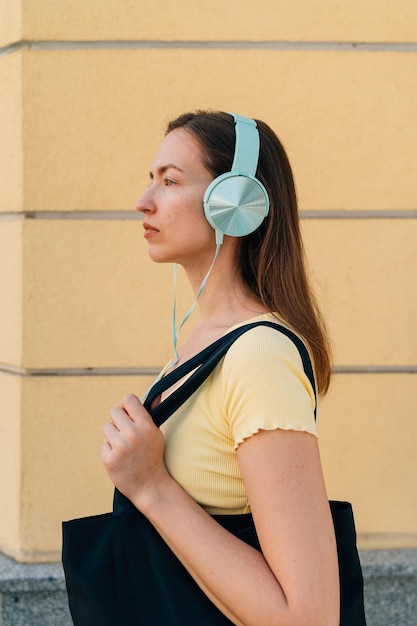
{"points": [[224, 300]]}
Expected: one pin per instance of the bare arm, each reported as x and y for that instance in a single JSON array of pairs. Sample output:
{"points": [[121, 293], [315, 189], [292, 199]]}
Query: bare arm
{"points": [[295, 581]]}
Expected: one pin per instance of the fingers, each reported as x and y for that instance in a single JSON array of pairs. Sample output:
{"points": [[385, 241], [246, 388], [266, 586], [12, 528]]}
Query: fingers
{"points": [[133, 407], [121, 439], [119, 417], [111, 433], [105, 451], [126, 418]]}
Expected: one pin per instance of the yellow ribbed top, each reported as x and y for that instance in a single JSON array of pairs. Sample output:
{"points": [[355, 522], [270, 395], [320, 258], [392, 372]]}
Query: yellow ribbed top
{"points": [[259, 384]]}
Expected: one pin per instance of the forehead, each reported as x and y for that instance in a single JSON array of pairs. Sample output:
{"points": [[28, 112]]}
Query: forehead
{"points": [[181, 149]]}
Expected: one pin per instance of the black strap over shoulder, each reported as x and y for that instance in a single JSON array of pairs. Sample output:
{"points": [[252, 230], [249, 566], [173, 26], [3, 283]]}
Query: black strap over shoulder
{"points": [[201, 366], [204, 363]]}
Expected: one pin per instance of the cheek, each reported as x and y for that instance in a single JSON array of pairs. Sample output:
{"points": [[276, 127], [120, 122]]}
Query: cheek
{"points": [[197, 234], [199, 214], [192, 212], [191, 219], [202, 226]]}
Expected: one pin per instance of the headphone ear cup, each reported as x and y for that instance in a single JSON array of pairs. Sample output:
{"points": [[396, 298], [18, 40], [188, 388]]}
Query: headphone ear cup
{"points": [[235, 204]]}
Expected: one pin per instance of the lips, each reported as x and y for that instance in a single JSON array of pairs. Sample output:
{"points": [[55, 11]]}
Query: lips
{"points": [[149, 230]]}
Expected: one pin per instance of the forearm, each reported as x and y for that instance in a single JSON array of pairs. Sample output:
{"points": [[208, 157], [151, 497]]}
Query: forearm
{"points": [[233, 575]]}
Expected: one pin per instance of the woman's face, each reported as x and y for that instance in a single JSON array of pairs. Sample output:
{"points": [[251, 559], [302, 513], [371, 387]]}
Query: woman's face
{"points": [[172, 206]]}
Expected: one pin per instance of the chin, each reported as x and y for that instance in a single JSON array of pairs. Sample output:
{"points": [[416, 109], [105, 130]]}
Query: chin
{"points": [[157, 256]]}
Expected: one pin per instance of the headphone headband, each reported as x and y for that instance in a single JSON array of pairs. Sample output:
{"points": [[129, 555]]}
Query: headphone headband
{"points": [[246, 156]]}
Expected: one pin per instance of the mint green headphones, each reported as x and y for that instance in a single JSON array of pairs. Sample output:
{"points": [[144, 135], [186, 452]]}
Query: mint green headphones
{"points": [[236, 203]]}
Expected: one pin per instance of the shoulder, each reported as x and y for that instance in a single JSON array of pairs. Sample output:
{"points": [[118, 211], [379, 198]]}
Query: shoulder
{"points": [[267, 346], [264, 384], [274, 354]]}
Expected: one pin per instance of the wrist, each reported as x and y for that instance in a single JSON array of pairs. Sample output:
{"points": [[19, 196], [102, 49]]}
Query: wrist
{"points": [[152, 497]]}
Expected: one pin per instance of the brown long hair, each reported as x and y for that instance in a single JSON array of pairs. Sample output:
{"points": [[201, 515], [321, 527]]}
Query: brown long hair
{"points": [[272, 259]]}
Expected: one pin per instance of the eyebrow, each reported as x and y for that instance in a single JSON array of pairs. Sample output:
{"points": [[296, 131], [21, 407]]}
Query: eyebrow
{"points": [[163, 168]]}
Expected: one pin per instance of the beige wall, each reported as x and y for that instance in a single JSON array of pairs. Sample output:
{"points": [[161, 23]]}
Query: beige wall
{"points": [[85, 91]]}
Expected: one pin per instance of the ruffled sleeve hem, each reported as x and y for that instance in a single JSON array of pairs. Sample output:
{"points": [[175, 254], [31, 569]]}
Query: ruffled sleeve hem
{"points": [[289, 427]]}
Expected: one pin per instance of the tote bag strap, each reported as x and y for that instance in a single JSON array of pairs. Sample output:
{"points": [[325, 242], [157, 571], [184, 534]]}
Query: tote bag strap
{"points": [[204, 363]]}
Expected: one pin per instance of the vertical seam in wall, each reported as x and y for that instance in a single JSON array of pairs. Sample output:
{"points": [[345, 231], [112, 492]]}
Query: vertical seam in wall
{"points": [[23, 199]]}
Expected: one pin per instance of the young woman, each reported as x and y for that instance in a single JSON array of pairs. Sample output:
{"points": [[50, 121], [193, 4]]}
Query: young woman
{"points": [[248, 440]]}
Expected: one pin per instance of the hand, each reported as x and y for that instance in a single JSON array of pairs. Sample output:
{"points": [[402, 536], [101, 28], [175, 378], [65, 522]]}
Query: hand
{"points": [[133, 454]]}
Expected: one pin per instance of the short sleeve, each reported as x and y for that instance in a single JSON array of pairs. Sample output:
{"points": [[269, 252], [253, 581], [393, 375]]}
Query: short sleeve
{"points": [[265, 387]]}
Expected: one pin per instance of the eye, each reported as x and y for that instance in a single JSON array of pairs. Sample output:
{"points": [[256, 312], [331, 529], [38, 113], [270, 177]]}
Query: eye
{"points": [[168, 182]]}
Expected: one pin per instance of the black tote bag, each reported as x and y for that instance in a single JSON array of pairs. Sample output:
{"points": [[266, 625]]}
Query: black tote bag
{"points": [[120, 572]]}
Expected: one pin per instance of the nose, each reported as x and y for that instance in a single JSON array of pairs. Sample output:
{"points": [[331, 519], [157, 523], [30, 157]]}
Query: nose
{"points": [[145, 204]]}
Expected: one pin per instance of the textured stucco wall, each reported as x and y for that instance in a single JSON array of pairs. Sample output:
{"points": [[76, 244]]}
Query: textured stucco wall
{"points": [[85, 91]]}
